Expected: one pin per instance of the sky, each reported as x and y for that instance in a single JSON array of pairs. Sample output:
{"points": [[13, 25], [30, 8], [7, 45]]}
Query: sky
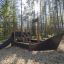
{"points": [[18, 6], [36, 6], [1, 2]]}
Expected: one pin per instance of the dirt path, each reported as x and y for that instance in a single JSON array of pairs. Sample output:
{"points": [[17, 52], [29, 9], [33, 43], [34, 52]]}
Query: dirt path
{"points": [[15, 55]]}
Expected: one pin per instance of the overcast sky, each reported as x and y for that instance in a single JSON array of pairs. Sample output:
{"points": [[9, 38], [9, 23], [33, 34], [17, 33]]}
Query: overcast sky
{"points": [[36, 6]]}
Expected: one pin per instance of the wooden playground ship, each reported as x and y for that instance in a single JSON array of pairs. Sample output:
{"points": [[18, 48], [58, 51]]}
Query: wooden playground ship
{"points": [[24, 40], [49, 44]]}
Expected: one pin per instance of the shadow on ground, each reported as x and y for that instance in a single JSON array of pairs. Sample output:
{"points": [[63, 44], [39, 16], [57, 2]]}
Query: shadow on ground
{"points": [[14, 55]]}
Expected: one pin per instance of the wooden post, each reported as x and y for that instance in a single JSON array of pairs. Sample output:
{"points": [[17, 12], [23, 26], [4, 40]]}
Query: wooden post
{"points": [[37, 30]]}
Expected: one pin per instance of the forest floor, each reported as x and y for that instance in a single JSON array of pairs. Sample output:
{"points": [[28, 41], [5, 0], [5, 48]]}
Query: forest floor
{"points": [[14, 55]]}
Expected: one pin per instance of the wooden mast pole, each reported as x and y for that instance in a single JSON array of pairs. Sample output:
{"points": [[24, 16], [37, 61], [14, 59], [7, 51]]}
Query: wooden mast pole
{"points": [[37, 30]]}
